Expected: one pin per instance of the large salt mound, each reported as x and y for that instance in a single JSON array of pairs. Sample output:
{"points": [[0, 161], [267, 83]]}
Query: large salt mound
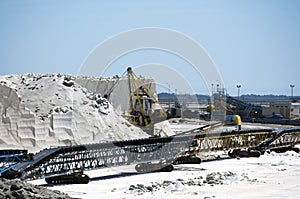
{"points": [[40, 111]]}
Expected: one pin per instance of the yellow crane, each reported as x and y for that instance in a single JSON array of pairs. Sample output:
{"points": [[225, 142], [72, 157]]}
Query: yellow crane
{"points": [[141, 101]]}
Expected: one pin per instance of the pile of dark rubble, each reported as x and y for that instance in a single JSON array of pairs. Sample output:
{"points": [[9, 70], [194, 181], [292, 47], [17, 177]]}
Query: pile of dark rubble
{"points": [[214, 178], [23, 190]]}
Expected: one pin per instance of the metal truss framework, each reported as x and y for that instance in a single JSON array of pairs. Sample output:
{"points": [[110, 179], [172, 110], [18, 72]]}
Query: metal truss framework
{"points": [[62, 160], [11, 158]]}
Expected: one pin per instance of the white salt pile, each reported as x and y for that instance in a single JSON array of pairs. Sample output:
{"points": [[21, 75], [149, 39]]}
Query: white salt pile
{"points": [[40, 111]]}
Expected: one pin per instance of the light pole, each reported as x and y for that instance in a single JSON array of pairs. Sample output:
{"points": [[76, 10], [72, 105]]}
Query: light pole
{"points": [[219, 90], [169, 96], [292, 90], [212, 89], [238, 87]]}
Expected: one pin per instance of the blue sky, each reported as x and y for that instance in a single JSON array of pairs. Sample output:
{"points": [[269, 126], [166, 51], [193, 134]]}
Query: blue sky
{"points": [[253, 43]]}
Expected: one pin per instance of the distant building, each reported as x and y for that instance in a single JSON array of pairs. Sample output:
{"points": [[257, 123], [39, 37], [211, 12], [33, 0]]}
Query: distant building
{"points": [[282, 108], [295, 111], [295, 108], [288, 109]]}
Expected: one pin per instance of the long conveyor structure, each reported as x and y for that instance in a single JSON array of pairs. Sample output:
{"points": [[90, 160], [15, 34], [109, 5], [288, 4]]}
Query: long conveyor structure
{"points": [[61, 160]]}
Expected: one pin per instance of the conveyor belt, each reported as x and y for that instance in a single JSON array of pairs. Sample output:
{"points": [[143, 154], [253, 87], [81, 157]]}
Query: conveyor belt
{"points": [[54, 161], [39, 158]]}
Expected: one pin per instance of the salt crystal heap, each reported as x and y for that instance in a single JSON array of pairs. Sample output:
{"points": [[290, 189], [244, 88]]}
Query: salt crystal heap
{"points": [[40, 111]]}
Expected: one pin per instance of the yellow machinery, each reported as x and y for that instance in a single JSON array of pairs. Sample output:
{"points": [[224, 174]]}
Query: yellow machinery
{"points": [[234, 120], [142, 112], [238, 121]]}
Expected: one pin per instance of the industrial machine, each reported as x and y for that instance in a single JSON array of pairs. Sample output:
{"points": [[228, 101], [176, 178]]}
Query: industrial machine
{"points": [[145, 110], [234, 120], [56, 164]]}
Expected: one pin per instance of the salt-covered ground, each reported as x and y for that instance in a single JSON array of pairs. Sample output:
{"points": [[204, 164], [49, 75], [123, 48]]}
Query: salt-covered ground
{"points": [[269, 176]]}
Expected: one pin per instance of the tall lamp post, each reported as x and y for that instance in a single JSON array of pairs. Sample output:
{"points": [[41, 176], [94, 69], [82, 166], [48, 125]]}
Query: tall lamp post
{"points": [[292, 90], [169, 101], [238, 87]]}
